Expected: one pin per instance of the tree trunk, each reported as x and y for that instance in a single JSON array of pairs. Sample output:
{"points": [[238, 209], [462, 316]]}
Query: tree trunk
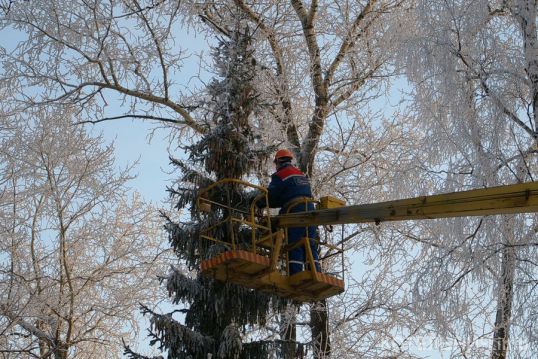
{"points": [[319, 325], [60, 351], [319, 315], [525, 13], [288, 332], [504, 305]]}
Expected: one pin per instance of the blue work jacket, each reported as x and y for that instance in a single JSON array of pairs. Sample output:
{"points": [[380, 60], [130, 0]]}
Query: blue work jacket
{"points": [[286, 184]]}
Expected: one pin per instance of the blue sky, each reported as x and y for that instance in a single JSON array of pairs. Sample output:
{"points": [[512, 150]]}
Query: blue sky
{"points": [[132, 140], [132, 143]]}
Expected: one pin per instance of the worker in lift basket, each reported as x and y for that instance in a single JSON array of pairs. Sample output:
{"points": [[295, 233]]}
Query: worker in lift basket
{"points": [[287, 188]]}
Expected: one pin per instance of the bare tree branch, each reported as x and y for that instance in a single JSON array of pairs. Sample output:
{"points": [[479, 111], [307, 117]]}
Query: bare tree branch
{"points": [[144, 117]]}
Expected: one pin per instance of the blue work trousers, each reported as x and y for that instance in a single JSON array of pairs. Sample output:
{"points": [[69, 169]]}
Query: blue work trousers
{"points": [[297, 256]]}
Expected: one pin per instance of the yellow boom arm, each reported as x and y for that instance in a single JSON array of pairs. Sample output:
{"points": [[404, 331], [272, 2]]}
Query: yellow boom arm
{"points": [[517, 198]]}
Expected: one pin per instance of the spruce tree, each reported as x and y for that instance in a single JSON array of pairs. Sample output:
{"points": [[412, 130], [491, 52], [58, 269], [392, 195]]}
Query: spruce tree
{"points": [[215, 314]]}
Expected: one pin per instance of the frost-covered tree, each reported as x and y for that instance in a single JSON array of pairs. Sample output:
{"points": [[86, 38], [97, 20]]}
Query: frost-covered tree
{"points": [[77, 253], [475, 75], [322, 65], [217, 318]]}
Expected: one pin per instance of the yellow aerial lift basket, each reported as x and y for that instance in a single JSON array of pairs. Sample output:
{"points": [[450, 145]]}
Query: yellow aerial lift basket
{"points": [[252, 254]]}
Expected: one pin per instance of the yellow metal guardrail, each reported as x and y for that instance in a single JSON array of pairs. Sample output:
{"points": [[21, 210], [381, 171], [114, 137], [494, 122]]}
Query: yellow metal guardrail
{"points": [[236, 216], [261, 261]]}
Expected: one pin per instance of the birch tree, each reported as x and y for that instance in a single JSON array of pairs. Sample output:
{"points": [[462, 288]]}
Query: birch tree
{"points": [[77, 253], [474, 66]]}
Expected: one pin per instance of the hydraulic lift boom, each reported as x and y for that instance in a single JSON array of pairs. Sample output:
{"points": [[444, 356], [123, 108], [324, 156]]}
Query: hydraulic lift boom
{"points": [[517, 198], [259, 261]]}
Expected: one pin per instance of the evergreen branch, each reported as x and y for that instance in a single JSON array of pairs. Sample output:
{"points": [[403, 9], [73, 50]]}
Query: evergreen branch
{"points": [[182, 339], [181, 287], [127, 351]]}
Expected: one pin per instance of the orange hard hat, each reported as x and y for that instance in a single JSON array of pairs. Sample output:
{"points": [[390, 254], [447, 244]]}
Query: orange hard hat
{"points": [[283, 154]]}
